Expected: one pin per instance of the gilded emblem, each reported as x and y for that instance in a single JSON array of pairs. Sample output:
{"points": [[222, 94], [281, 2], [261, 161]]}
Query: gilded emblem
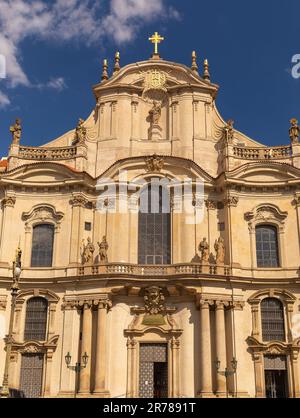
{"points": [[155, 82]]}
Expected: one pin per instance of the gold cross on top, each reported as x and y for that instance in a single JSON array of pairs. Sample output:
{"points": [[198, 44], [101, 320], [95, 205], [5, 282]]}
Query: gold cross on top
{"points": [[156, 39]]}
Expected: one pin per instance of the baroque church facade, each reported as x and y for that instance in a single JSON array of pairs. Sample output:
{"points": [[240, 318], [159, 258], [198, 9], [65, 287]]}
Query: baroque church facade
{"points": [[152, 303]]}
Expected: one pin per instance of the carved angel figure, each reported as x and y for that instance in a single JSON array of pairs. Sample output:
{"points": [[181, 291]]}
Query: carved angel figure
{"points": [[87, 251], [220, 250], [294, 131], [103, 248], [204, 250], [80, 133], [16, 131]]}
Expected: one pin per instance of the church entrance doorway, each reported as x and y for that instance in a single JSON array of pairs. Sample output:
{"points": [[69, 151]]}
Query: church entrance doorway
{"points": [[153, 371], [276, 378]]}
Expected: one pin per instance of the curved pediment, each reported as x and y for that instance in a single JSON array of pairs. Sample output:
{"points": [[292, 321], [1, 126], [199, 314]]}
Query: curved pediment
{"points": [[261, 173], [174, 74], [43, 173], [157, 165]]}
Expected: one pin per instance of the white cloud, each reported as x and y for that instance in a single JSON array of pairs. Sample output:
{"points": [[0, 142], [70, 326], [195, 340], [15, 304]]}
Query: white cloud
{"points": [[70, 20], [4, 100], [57, 84]]}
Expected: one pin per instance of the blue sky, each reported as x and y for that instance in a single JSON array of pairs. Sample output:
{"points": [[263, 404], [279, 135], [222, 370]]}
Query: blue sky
{"points": [[54, 52]]}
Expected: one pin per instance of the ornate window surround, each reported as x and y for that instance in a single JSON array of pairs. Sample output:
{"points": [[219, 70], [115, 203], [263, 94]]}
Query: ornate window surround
{"points": [[40, 214], [267, 214], [46, 347], [289, 348]]}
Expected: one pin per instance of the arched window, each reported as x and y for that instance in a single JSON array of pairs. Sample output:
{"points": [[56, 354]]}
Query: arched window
{"points": [[272, 318], [42, 245], [267, 246], [154, 242], [36, 319]]}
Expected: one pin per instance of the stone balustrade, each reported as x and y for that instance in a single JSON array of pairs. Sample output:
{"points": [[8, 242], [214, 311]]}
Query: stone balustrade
{"points": [[39, 153], [249, 153], [153, 270]]}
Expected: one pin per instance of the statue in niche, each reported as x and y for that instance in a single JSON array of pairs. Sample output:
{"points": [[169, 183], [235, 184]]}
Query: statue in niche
{"points": [[103, 248], [155, 113], [204, 250], [87, 251], [220, 251], [16, 131], [80, 133], [294, 131]]}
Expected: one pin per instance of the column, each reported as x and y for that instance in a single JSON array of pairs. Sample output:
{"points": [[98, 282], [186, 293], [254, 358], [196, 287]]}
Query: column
{"points": [[100, 373], [206, 386], [86, 346], [8, 204], [220, 346], [49, 356], [78, 202]]}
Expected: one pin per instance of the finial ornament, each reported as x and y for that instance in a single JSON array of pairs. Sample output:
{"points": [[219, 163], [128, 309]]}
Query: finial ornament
{"points": [[117, 62], [194, 66], [104, 72], [16, 131], [206, 74], [294, 131], [156, 39]]}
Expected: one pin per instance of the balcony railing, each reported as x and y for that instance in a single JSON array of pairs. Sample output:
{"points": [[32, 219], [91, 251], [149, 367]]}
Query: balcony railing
{"points": [[153, 270], [274, 153]]}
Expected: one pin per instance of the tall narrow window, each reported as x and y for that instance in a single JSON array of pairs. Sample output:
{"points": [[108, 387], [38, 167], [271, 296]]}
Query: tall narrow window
{"points": [[267, 246], [42, 245], [272, 318], [154, 243], [36, 319]]}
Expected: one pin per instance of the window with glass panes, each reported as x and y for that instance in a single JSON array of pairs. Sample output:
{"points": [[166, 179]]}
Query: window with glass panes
{"points": [[154, 241], [36, 319], [267, 246], [42, 245], [272, 318]]}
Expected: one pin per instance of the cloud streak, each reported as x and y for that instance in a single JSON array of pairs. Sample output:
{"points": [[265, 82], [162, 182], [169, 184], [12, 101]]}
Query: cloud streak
{"points": [[66, 21]]}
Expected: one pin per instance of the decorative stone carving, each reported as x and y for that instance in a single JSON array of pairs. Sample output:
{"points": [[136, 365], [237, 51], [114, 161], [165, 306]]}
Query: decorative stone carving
{"points": [[204, 250], [155, 113], [229, 132], [154, 300], [103, 248], [42, 213], [80, 133], [79, 301], [78, 200], [294, 131], [16, 131], [155, 85], [211, 204], [265, 214], [154, 163], [8, 201], [87, 251], [220, 251], [231, 201]]}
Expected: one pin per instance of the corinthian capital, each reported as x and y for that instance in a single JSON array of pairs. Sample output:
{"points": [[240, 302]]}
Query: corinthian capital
{"points": [[8, 201], [231, 201]]}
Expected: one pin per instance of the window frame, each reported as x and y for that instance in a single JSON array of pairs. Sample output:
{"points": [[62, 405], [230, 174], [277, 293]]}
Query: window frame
{"points": [[273, 227], [165, 223], [46, 321], [283, 310], [53, 226]]}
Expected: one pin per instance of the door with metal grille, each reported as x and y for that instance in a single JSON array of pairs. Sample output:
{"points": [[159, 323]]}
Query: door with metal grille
{"points": [[276, 380], [32, 375], [153, 373]]}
